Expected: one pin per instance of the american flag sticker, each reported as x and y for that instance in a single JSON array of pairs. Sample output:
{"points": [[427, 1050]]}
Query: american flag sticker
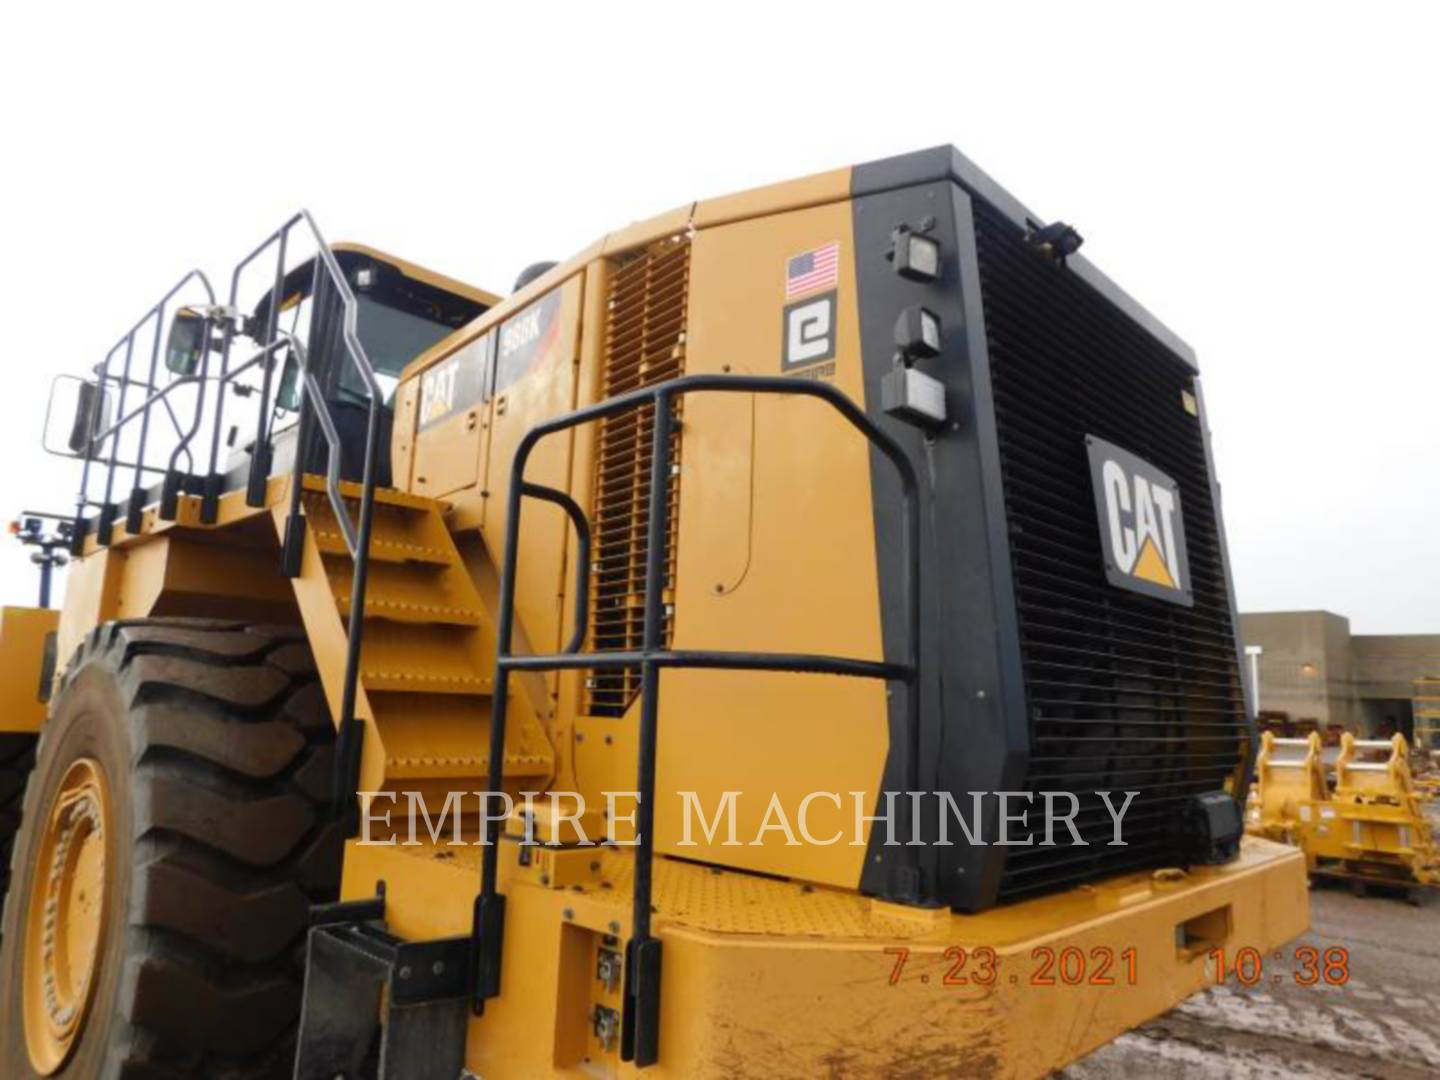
{"points": [[812, 270]]}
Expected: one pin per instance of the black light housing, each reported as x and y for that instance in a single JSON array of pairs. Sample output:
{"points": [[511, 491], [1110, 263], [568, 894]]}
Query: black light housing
{"points": [[914, 397], [917, 333], [1056, 241], [915, 256]]}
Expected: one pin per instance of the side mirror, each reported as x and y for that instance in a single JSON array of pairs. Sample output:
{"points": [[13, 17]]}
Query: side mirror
{"points": [[93, 415], [290, 391], [189, 338]]}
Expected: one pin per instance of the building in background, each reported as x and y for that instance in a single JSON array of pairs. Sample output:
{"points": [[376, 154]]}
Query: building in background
{"points": [[1312, 669]]}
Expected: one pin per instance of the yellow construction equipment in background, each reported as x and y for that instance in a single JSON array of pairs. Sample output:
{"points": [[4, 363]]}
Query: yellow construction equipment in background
{"points": [[1371, 828], [1286, 789], [1427, 714]]}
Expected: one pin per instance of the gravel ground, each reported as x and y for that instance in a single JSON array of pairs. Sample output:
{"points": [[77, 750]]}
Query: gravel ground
{"points": [[1384, 1022]]}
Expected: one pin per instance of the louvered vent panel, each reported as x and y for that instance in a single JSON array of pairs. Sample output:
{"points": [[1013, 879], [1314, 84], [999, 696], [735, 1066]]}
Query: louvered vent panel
{"points": [[1126, 693], [644, 345]]}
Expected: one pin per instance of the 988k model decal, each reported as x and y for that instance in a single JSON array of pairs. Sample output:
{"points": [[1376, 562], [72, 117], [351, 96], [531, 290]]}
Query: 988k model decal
{"points": [[525, 337]]}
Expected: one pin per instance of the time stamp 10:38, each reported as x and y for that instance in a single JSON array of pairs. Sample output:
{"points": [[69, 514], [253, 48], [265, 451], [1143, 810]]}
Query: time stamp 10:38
{"points": [[1103, 966]]}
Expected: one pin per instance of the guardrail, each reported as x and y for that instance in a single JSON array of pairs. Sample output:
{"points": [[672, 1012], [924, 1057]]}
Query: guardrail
{"points": [[640, 1029], [107, 508]]}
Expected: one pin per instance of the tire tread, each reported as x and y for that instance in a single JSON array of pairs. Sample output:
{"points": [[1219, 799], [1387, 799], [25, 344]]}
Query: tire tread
{"points": [[233, 841]]}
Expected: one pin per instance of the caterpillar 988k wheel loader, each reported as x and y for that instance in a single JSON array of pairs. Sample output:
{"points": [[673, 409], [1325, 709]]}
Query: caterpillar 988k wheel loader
{"points": [[793, 635]]}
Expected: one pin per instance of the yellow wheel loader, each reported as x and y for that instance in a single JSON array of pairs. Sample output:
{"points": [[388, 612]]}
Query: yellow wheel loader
{"points": [[792, 636]]}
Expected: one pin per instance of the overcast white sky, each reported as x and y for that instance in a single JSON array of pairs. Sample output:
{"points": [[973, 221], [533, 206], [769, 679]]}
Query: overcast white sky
{"points": [[1264, 177]]}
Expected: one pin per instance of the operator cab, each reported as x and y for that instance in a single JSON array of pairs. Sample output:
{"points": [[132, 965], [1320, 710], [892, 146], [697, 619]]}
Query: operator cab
{"points": [[402, 310]]}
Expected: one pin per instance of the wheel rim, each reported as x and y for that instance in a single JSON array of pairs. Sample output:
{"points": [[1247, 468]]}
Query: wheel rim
{"points": [[65, 918]]}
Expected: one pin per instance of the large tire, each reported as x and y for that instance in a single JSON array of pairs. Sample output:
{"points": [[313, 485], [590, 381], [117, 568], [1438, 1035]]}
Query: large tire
{"points": [[214, 742]]}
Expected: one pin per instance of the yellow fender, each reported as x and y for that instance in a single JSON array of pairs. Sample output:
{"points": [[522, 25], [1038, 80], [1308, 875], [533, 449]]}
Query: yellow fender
{"points": [[27, 666]]}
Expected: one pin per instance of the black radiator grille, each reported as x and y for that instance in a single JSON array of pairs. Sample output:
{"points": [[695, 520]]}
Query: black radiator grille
{"points": [[1125, 692]]}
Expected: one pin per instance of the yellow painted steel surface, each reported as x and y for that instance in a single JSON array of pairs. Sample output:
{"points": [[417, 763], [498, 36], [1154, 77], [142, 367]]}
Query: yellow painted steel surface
{"points": [[421, 273], [776, 553], [1287, 786], [23, 635], [775, 978]]}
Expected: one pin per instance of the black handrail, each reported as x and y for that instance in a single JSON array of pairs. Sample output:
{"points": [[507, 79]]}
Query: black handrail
{"points": [[349, 742], [96, 439], [262, 451], [640, 1025], [582, 557], [170, 487]]}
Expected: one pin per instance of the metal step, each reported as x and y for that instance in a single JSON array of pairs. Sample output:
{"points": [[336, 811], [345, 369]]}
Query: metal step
{"points": [[382, 549], [425, 683], [384, 497], [409, 611]]}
